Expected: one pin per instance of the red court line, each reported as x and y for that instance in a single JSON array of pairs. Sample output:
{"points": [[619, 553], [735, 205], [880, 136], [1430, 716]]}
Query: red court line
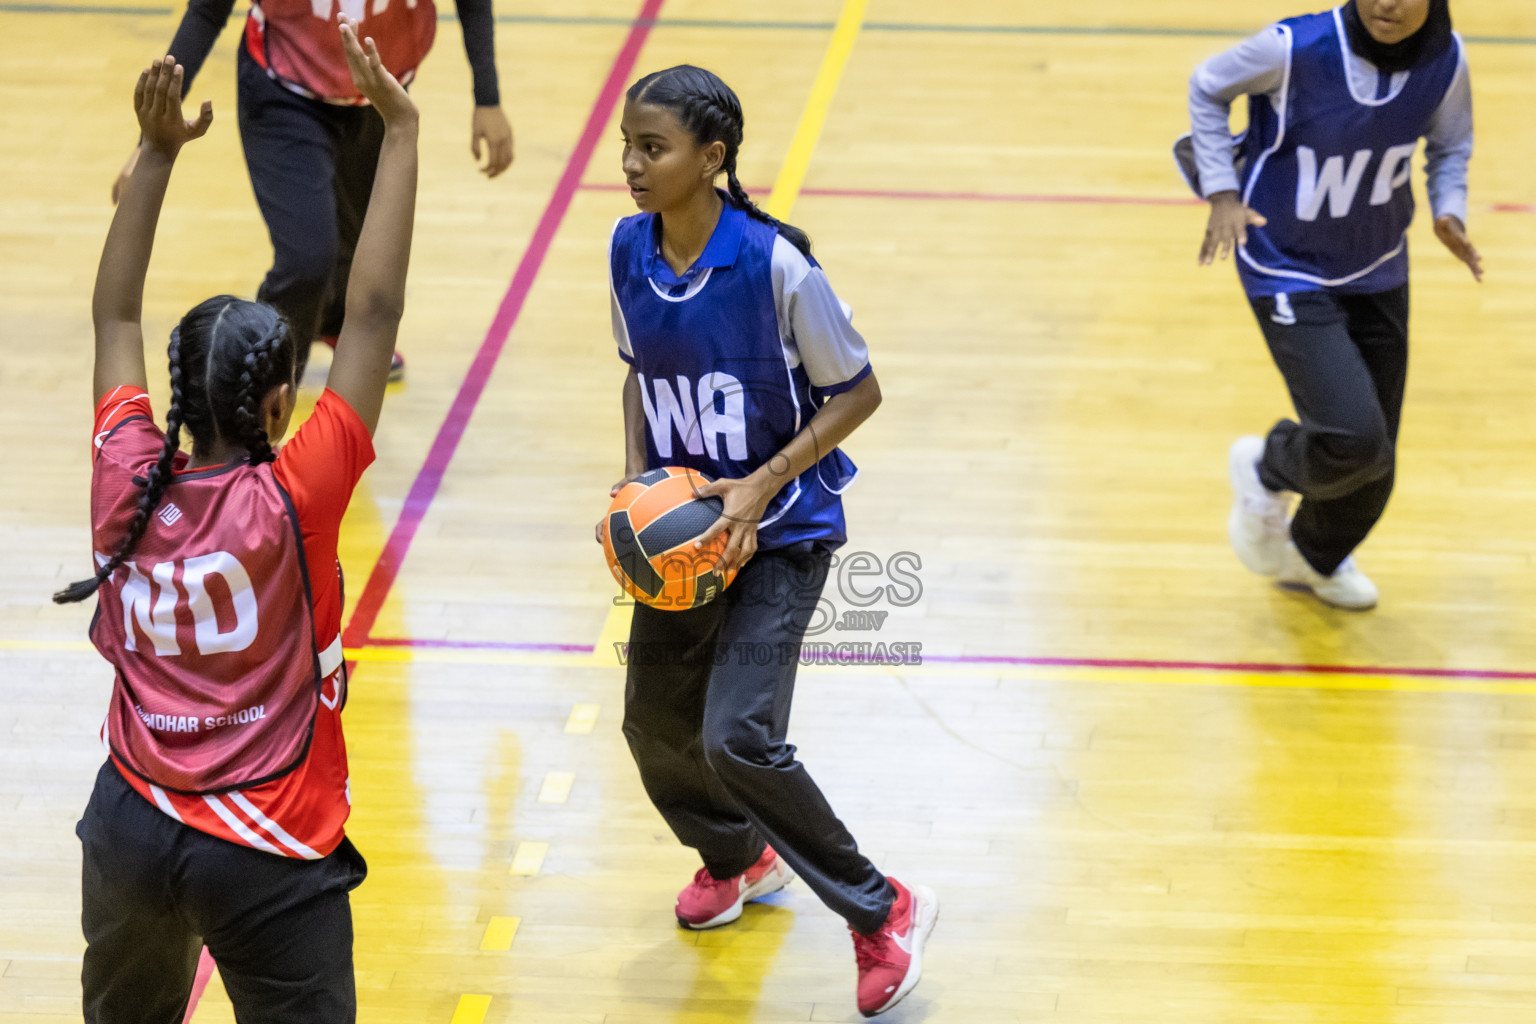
{"points": [[476, 645], [430, 477], [853, 658], [1040, 198], [199, 984], [1253, 667]]}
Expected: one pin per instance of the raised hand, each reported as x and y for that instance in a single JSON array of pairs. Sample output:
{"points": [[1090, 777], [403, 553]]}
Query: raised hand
{"points": [[1453, 235], [157, 103], [372, 78]]}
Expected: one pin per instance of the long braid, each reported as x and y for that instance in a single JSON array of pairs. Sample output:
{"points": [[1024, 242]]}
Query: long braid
{"points": [[158, 479], [254, 382], [226, 356]]}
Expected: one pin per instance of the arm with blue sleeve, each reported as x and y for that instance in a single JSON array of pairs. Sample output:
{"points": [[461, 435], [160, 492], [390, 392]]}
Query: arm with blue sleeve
{"points": [[1447, 151], [1255, 67]]}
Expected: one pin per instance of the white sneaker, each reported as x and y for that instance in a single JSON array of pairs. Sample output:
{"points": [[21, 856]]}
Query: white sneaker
{"points": [[1257, 524], [1347, 588]]}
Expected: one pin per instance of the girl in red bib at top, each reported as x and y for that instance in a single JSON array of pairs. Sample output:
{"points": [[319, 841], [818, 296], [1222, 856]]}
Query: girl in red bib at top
{"points": [[219, 815]]}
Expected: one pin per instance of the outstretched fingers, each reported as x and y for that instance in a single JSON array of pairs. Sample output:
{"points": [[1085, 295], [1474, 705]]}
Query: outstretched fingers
{"points": [[141, 92], [167, 77], [357, 60]]}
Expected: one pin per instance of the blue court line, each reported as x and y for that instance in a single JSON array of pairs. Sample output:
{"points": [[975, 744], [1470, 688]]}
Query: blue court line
{"points": [[909, 27], [16, 8]]}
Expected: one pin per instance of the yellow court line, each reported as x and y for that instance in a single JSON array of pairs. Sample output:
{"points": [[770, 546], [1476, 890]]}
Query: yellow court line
{"points": [[47, 646], [499, 933], [583, 718], [1384, 681], [529, 859], [615, 631], [471, 1009], [786, 189], [557, 787]]}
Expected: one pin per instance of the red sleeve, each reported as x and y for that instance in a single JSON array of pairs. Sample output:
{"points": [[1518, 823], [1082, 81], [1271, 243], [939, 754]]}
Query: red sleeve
{"points": [[123, 402], [322, 464], [319, 468]]}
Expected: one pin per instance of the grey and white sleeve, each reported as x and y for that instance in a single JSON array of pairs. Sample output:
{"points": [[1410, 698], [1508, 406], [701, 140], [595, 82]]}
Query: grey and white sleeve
{"points": [[1448, 145], [1255, 66], [815, 326], [620, 325]]}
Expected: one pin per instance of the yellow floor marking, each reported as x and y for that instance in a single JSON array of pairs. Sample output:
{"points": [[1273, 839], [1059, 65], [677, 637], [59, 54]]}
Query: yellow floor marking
{"points": [[47, 646], [557, 786], [792, 174], [615, 631], [1384, 680], [583, 718], [499, 934], [471, 1009], [529, 859]]}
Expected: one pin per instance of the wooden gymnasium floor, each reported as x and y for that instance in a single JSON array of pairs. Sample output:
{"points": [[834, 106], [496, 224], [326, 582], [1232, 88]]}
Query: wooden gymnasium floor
{"points": [[1147, 786]]}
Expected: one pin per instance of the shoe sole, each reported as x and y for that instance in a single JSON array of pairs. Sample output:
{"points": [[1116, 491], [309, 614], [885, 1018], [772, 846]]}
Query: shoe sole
{"points": [[769, 884], [926, 916], [1305, 588], [1235, 472]]}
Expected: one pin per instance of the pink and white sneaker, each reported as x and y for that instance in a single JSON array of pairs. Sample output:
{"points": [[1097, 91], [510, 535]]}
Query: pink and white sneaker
{"points": [[710, 902], [891, 960]]}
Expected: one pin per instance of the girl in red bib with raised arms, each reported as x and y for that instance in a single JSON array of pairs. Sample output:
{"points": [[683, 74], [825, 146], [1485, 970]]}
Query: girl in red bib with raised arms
{"points": [[219, 816]]}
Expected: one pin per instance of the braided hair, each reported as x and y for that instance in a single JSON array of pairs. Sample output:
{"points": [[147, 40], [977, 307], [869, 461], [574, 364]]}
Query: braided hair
{"points": [[226, 354], [710, 112]]}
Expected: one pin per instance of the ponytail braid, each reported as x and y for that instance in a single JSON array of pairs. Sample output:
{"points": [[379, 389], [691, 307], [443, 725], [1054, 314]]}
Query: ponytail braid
{"points": [[254, 383], [709, 110], [158, 479], [793, 235]]}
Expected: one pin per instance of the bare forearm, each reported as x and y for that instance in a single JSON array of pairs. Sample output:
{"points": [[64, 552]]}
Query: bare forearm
{"points": [[119, 294], [634, 426], [376, 289], [830, 427]]}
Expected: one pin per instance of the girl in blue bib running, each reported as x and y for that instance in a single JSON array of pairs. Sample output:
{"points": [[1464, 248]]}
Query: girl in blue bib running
{"points": [[1314, 198]]}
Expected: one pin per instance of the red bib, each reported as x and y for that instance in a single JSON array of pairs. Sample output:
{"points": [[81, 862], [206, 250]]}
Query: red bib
{"points": [[298, 41], [211, 630]]}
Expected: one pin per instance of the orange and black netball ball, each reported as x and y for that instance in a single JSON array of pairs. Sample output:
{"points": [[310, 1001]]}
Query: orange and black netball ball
{"points": [[648, 539]]}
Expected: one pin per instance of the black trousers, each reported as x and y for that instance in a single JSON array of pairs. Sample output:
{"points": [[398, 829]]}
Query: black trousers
{"points": [[706, 710], [156, 891], [1345, 361], [312, 166]]}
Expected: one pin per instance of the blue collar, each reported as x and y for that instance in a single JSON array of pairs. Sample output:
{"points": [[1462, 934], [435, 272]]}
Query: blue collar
{"points": [[721, 250]]}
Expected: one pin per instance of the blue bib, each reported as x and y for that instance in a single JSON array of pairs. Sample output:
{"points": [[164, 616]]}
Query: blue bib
{"points": [[1330, 169], [718, 390]]}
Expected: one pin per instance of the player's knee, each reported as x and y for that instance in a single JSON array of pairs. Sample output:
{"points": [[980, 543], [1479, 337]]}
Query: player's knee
{"points": [[737, 748], [1363, 454], [305, 270]]}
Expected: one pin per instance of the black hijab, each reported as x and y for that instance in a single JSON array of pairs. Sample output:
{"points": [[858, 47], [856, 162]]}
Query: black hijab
{"points": [[1429, 42]]}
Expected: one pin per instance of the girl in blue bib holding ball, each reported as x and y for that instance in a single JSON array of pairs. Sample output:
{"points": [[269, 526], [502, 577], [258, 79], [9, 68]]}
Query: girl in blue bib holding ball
{"points": [[743, 365]]}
